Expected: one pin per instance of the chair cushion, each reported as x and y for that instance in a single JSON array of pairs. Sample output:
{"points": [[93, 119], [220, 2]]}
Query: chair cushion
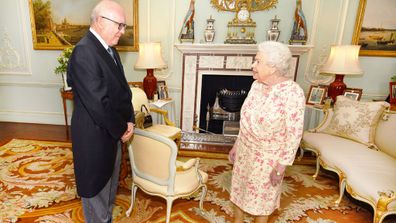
{"points": [[185, 183], [356, 120]]}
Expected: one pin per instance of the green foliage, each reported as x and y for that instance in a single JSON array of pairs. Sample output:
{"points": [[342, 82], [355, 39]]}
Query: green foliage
{"points": [[63, 60], [393, 78]]}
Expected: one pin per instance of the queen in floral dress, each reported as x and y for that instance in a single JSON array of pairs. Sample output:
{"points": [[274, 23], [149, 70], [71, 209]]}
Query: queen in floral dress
{"points": [[271, 128]]}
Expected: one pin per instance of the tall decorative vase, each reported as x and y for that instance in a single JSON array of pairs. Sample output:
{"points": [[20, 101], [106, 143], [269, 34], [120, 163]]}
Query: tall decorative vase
{"points": [[150, 84], [274, 32], [209, 32]]}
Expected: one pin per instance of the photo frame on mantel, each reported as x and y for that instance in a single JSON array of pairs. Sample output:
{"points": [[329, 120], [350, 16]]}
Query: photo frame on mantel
{"points": [[70, 22], [374, 30]]}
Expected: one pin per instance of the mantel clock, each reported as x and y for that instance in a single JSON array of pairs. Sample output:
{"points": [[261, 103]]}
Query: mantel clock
{"points": [[241, 29]]}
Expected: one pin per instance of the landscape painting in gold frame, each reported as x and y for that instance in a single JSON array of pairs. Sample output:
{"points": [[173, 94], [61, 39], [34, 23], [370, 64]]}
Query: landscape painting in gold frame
{"points": [[375, 30], [59, 24]]}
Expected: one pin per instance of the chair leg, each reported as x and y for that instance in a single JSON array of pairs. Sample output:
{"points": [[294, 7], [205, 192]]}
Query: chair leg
{"points": [[133, 196], [301, 154], [203, 195], [178, 141], [317, 168], [169, 202], [342, 185]]}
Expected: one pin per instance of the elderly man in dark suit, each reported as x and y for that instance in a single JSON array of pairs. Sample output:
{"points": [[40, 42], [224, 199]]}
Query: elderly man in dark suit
{"points": [[103, 114]]}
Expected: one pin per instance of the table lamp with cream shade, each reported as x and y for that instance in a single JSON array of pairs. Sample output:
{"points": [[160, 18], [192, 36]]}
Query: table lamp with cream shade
{"points": [[343, 60], [150, 58]]}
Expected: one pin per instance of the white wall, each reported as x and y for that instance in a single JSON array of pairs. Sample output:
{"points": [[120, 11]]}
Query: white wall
{"points": [[29, 90]]}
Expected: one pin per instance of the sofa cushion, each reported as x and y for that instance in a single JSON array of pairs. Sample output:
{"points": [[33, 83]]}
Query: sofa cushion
{"points": [[385, 135], [356, 120], [370, 173], [333, 150]]}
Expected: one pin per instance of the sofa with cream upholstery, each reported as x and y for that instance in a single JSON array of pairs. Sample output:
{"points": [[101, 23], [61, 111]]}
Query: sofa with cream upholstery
{"points": [[357, 140]]}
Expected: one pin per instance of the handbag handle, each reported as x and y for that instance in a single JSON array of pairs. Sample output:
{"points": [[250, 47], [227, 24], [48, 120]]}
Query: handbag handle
{"points": [[144, 106]]}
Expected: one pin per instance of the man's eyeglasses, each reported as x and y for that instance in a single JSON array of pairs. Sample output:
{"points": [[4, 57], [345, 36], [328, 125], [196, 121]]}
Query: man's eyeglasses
{"points": [[120, 25]]}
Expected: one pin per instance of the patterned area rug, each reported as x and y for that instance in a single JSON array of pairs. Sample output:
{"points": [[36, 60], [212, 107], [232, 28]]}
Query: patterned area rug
{"points": [[37, 185]]}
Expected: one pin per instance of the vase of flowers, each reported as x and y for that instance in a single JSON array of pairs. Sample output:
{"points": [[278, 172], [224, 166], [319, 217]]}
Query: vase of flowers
{"points": [[63, 60]]}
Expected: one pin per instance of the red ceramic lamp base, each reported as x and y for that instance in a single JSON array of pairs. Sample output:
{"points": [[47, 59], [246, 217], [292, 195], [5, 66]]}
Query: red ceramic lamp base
{"points": [[150, 84], [337, 87]]}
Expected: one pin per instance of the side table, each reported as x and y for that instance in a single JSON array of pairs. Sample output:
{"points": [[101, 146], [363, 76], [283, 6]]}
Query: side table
{"points": [[66, 95]]}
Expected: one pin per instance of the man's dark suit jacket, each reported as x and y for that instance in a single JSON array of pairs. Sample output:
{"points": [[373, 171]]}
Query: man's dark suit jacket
{"points": [[102, 108]]}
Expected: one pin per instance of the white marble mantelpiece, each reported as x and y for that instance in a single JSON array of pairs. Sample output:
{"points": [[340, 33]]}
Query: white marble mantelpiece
{"points": [[233, 48], [216, 59]]}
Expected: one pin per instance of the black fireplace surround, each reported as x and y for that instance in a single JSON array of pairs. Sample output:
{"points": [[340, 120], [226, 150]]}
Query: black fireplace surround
{"points": [[211, 86]]}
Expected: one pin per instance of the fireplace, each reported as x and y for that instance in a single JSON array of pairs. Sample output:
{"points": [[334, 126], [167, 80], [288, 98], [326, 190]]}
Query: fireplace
{"points": [[210, 67], [221, 97]]}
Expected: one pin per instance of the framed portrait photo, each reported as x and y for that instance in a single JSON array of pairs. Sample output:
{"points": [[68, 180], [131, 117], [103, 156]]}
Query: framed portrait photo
{"points": [[374, 30], [316, 95], [353, 93], [59, 24], [162, 90]]}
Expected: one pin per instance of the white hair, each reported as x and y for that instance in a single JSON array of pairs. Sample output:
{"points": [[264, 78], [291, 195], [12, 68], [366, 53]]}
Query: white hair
{"points": [[98, 10], [277, 55]]}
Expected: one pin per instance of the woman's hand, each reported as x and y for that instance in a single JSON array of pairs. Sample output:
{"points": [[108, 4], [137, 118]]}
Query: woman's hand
{"points": [[276, 174], [231, 154]]}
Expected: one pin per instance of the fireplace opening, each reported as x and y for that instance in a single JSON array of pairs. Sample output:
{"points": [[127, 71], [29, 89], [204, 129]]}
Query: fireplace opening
{"points": [[215, 116]]}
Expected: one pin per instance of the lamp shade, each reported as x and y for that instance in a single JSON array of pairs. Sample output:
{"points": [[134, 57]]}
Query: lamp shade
{"points": [[150, 56], [343, 59]]}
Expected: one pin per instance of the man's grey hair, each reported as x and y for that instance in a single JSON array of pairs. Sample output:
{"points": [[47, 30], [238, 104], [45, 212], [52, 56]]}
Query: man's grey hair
{"points": [[96, 11], [277, 55]]}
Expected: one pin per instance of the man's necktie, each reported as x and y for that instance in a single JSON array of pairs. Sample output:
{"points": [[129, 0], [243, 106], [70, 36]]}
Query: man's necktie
{"points": [[110, 51]]}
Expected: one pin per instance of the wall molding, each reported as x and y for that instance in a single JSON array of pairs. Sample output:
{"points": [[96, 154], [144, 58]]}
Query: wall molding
{"points": [[167, 73], [32, 84], [314, 29], [20, 56], [41, 117], [312, 75], [370, 97]]}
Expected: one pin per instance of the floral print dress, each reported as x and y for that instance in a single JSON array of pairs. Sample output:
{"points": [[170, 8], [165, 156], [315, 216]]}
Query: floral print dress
{"points": [[271, 127]]}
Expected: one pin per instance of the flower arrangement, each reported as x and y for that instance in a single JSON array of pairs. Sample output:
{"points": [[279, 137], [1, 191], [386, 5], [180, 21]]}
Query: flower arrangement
{"points": [[63, 60], [393, 78]]}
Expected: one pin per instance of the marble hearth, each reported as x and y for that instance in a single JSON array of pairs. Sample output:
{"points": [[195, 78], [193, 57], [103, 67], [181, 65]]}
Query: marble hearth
{"points": [[215, 59]]}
